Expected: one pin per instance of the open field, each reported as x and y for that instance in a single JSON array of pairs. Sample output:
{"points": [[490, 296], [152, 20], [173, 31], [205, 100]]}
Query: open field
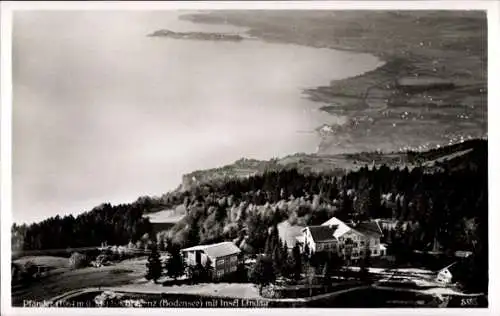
{"points": [[240, 290], [126, 277], [63, 280], [166, 219], [47, 261]]}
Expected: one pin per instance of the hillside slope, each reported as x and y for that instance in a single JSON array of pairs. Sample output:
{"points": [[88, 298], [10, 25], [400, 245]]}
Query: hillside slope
{"points": [[452, 155]]}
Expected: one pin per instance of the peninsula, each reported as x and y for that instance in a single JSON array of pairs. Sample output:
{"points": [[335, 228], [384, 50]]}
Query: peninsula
{"points": [[198, 36]]}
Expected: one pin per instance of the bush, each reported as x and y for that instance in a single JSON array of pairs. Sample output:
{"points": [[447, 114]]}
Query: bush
{"points": [[27, 273], [292, 218], [108, 299], [299, 291], [303, 210], [78, 260], [230, 231]]}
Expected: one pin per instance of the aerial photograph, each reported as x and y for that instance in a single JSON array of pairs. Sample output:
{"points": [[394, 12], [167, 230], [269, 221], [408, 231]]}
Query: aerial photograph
{"points": [[249, 159]]}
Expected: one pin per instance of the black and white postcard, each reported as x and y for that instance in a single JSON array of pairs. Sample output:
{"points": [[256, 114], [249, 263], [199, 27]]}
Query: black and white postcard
{"points": [[226, 155]]}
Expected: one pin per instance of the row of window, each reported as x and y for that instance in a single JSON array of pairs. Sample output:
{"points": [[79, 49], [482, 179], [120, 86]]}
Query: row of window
{"points": [[362, 240], [361, 252], [220, 272], [353, 237], [354, 245], [220, 262], [325, 246]]}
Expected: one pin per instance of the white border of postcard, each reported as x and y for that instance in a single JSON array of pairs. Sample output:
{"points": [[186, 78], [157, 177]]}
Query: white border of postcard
{"points": [[493, 11]]}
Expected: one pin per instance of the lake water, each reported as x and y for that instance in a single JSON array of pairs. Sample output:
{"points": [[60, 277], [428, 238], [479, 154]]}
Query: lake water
{"points": [[104, 113]]}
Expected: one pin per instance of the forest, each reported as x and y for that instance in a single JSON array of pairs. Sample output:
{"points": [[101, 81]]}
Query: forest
{"points": [[450, 207], [117, 224]]}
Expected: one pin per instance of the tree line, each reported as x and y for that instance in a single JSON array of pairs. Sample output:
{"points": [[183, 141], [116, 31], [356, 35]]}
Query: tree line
{"points": [[116, 225]]}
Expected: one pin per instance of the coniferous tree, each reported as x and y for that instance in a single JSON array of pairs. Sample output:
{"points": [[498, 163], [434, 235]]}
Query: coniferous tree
{"points": [[327, 273], [310, 273], [268, 247], [154, 268], [263, 273], [297, 260], [346, 207], [284, 253], [374, 207], [277, 263], [208, 269], [307, 252], [161, 244], [365, 264], [193, 235], [175, 263], [257, 232], [288, 267]]}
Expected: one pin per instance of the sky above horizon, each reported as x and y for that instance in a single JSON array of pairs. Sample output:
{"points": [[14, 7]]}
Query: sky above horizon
{"points": [[102, 113]]}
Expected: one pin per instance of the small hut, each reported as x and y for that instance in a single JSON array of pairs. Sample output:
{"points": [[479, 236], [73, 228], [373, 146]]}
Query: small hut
{"points": [[77, 260]]}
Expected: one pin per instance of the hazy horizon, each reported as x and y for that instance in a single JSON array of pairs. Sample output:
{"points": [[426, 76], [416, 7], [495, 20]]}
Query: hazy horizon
{"points": [[101, 113]]}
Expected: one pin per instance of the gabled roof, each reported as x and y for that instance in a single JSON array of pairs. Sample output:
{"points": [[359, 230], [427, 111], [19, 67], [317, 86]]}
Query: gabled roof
{"points": [[451, 267], [370, 229], [222, 249], [322, 233], [342, 227]]}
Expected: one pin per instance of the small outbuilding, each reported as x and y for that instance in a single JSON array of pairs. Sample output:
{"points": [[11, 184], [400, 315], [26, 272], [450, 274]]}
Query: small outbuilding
{"points": [[223, 257], [446, 274]]}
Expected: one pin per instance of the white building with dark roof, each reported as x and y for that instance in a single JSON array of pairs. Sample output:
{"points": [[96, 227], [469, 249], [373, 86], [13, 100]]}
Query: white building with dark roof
{"points": [[222, 257], [349, 240], [320, 238]]}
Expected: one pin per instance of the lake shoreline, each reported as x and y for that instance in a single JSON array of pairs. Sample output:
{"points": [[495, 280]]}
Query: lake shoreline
{"points": [[373, 92], [309, 93]]}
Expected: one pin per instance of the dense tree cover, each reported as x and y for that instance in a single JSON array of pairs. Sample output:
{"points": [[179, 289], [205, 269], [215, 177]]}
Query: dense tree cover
{"points": [[446, 150], [439, 205], [448, 208], [106, 223]]}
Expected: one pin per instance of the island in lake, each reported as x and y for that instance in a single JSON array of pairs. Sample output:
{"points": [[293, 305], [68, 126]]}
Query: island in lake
{"points": [[198, 36]]}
